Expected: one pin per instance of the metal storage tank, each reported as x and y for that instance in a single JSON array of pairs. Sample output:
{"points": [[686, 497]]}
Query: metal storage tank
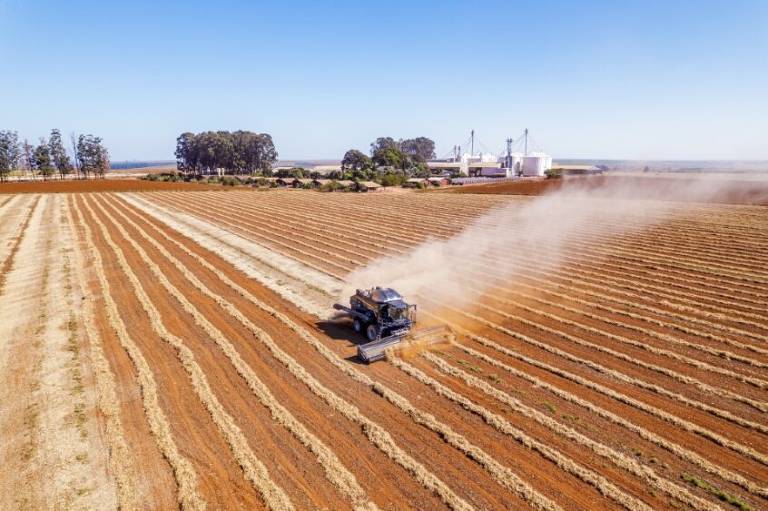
{"points": [[536, 163], [515, 163]]}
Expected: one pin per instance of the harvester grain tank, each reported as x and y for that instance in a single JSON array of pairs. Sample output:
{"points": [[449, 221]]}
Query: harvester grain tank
{"points": [[387, 321]]}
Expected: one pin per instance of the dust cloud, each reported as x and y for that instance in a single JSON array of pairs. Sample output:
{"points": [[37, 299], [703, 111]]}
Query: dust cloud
{"points": [[526, 232]]}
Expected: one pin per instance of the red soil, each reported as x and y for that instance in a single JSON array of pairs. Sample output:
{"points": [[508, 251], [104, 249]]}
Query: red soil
{"points": [[304, 226], [424, 221], [97, 185], [670, 188]]}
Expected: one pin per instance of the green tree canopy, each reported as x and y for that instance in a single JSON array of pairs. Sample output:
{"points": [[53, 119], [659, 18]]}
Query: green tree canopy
{"points": [[42, 157], [409, 155], [421, 148], [59, 156], [239, 152], [382, 143], [10, 152], [356, 160], [389, 157], [92, 156]]}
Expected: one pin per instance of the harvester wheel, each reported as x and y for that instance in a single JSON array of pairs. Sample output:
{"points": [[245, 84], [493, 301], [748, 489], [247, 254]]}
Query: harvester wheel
{"points": [[372, 332], [357, 325]]}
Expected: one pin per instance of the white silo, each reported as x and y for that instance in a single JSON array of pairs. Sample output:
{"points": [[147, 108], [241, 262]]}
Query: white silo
{"points": [[515, 163], [512, 163], [535, 164]]}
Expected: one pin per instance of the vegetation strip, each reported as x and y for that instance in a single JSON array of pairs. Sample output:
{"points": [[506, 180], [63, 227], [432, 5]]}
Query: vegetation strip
{"points": [[644, 433], [650, 333], [741, 449]]}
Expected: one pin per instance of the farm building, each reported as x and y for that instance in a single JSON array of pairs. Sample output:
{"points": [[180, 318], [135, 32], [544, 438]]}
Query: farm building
{"points": [[368, 186]]}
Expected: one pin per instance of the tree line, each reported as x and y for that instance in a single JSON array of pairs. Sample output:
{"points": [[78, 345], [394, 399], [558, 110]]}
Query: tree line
{"points": [[238, 152], [49, 157], [390, 162]]}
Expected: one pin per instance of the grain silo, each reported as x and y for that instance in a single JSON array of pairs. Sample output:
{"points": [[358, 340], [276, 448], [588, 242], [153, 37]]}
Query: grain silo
{"points": [[535, 164], [514, 162]]}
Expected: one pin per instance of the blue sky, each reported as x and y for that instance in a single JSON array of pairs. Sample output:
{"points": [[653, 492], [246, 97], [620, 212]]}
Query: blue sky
{"points": [[631, 79]]}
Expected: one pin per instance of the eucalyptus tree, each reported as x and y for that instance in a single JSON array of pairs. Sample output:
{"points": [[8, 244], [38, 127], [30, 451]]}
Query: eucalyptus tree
{"points": [[10, 153], [27, 160], [42, 159], [238, 152], [59, 155], [92, 156]]}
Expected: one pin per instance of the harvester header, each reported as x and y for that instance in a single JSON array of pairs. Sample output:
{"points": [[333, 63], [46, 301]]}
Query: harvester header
{"points": [[387, 320]]}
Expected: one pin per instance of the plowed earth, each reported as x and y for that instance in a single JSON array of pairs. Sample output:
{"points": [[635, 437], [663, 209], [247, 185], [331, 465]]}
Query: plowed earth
{"points": [[96, 185], [170, 349], [672, 187]]}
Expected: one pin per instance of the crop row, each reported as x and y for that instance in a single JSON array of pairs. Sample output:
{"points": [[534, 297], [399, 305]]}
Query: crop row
{"points": [[17, 235], [377, 435], [715, 369], [401, 229], [327, 226], [335, 471], [600, 303], [119, 455], [715, 437], [672, 447], [184, 473], [674, 375], [627, 463], [601, 483]]}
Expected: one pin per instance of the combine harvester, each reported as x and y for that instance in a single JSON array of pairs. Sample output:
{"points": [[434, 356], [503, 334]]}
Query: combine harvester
{"points": [[387, 321]]}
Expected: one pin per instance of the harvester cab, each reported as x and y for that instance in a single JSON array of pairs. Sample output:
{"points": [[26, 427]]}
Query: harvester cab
{"points": [[386, 319]]}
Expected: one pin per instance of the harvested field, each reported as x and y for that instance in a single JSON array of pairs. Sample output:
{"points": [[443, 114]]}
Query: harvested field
{"points": [[674, 186], [170, 348], [97, 185]]}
